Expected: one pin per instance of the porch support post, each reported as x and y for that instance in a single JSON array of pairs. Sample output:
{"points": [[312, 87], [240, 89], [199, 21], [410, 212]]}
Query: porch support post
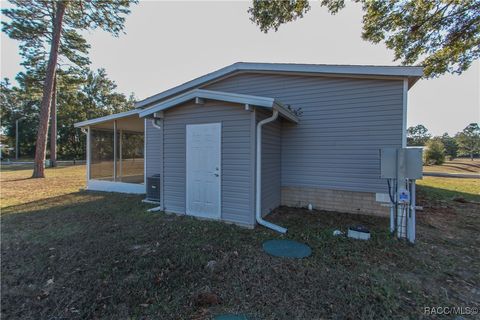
{"points": [[89, 132], [120, 155], [145, 153], [114, 150]]}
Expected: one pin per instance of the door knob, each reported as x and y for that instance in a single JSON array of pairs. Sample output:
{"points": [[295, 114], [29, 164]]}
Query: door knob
{"points": [[216, 174]]}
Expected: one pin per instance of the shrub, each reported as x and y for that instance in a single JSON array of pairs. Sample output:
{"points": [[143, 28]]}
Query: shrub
{"points": [[434, 152]]}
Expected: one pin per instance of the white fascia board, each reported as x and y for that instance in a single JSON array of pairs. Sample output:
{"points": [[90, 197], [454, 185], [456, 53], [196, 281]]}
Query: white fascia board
{"points": [[398, 71], [106, 118], [212, 95], [412, 73]]}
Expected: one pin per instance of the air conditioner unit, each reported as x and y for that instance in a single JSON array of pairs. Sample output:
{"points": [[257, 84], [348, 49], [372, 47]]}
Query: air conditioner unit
{"points": [[153, 188]]}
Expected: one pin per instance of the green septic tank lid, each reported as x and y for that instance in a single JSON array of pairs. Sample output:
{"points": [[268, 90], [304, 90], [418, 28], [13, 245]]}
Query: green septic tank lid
{"points": [[287, 248], [231, 316]]}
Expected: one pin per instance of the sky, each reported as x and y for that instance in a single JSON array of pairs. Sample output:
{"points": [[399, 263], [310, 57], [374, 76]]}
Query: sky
{"points": [[168, 43]]}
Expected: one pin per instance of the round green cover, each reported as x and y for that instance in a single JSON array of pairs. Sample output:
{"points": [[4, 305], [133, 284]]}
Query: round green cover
{"points": [[287, 248], [231, 317]]}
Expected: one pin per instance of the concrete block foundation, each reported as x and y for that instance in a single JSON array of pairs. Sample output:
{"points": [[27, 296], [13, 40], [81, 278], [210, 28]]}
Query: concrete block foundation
{"points": [[334, 200]]}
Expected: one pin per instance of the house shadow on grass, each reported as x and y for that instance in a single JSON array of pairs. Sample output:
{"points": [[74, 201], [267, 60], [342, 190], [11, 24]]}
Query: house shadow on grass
{"points": [[92, 254], [466, 168], [434, 193], [65, 204]]}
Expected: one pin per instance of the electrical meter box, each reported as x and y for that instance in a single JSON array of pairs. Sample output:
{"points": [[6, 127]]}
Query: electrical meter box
{"points": [[399, 163], [388, 163], [414, 163]]}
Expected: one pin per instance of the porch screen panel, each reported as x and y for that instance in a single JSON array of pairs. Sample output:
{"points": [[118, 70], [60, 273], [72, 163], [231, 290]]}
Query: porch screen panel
{"points": [[130, 160], [102, 157]]}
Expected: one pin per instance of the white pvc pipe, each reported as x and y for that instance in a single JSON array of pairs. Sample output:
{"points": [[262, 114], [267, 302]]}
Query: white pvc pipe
{"points": [[411, 221], [159, 208], [392, 207], [258, 186], [155, 124], [392, 218]]}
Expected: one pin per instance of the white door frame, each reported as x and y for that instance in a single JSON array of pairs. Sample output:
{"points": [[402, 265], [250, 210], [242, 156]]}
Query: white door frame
{"points": [[213, 215]]}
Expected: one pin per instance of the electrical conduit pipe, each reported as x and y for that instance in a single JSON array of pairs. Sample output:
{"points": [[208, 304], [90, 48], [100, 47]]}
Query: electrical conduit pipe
{"points": [[258, 186]]}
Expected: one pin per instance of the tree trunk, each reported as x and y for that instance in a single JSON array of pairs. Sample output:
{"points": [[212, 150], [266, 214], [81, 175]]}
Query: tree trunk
{"points": [[53, 126], [42, 133]]}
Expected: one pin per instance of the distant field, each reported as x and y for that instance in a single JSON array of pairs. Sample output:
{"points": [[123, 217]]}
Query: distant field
{"points": [[465, 166]]}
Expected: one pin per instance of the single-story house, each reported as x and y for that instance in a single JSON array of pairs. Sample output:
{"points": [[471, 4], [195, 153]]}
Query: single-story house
{"points": [[236, 143]]}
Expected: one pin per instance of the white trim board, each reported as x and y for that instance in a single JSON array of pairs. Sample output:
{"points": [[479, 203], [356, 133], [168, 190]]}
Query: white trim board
{"points": [[145, 153], [106, 118], [110, 186]]}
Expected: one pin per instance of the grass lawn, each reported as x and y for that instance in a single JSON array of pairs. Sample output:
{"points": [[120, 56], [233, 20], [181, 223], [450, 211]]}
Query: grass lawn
{"points": [[465, 166], [74, 254], [17, 187]]}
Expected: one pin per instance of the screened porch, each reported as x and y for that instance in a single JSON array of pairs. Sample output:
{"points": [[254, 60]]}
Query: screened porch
{"points": [[115, 153]]}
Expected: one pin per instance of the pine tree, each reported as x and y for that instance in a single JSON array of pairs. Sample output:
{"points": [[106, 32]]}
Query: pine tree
{"points": [[469, 139], [418, 135], [55, 25]]}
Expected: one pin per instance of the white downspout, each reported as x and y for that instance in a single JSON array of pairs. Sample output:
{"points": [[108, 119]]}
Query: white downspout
{"points": [[160, 207], [258, 186]]}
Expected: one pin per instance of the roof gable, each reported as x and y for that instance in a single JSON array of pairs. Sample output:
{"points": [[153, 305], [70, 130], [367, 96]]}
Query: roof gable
{"points": [[265, 102], [412, 74]]}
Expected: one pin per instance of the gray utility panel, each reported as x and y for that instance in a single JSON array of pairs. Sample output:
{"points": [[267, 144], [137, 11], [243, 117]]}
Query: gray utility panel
{"points": [[407, 160]]}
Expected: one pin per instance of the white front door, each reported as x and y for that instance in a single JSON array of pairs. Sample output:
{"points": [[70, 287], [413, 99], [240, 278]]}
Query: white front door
{"points": [[203, 170]]}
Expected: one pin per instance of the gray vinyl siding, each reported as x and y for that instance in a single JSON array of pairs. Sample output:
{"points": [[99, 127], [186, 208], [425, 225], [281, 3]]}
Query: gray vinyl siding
{"points": [[153, 138], [236, 196], [344, 123], [271, 162]]}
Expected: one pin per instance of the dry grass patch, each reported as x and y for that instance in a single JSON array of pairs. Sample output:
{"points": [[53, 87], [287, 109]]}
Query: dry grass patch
{"points": [[17, 187]]}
